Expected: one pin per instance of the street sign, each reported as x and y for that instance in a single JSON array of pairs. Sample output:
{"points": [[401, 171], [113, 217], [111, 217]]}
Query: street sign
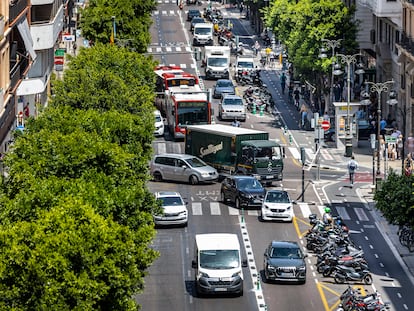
{"points": [[325, 125], [390, 139]]}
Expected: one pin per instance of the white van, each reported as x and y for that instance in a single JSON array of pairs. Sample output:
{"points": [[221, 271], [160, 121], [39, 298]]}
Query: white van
{"points": [[158, 123], [217, 263], [203, 34]]}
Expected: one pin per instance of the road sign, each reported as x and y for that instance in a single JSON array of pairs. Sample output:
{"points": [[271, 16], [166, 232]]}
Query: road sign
{"points": [[390, 139], [325, 125]]}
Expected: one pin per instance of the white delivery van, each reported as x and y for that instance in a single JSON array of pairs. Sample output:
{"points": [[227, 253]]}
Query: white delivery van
{"points": [[243, 63], [217, 62], [203, 34], [217, 263]]}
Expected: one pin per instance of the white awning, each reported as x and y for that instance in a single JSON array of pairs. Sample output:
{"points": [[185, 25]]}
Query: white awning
{"points": [[31, 87], [24, 30]]}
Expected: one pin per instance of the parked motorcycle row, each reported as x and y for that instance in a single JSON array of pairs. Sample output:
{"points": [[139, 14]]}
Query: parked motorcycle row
{"points": [[259, 98], [337, 256], [351, 299]]}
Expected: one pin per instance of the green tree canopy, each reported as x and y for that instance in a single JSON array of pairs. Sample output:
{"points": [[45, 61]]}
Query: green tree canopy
{"points": [[132, 20], [70, 259], [395, 199], [301, 26]]}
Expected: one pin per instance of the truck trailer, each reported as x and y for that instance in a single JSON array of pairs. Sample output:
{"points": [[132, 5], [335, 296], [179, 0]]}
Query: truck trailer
{"points": [[236, 150]]}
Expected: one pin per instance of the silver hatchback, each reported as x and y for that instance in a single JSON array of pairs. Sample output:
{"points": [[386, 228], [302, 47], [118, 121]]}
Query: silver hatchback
{"points": [[183, 168]]}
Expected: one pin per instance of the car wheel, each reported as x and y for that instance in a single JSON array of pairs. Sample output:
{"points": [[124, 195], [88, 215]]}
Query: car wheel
{"points": [[265, 279], [261, 217], [157, 176], [193, 180], [223, 197], [237, 203]]}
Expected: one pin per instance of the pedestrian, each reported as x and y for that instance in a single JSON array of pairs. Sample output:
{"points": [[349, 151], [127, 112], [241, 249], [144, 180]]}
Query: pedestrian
{"points": [[408, 165], [256, 47], [283, 82], [352, 167]]}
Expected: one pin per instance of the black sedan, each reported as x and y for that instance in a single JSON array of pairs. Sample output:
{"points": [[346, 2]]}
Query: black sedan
{"points": [[193, 13], [242, 191]]}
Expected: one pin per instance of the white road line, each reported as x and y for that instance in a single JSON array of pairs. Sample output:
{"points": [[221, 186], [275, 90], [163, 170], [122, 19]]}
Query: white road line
{"points": [[161, 148], [309, 153], [178, 48], [215, 208], [343, 212], [253, 212], [233, 211], [304, 208], [295, 153], [362, 216], [325, 154], [197, 208], [158, 50], [183, 66]]}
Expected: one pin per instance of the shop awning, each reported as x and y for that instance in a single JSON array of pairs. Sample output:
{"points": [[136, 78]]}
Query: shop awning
{"points": [[31, 87], [24, 30]]}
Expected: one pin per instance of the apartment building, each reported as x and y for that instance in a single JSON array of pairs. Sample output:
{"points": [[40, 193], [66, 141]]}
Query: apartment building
{"points": [[46, 25], [16, 56]]}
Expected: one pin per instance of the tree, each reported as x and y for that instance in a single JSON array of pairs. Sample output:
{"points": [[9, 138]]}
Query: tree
{"points": [[301, 26], [132, 19], [106, 77], [70, 258], [395, 199]]}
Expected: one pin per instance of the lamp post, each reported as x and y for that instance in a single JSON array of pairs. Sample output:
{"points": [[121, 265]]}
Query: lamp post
{"points": [[333, 44], [348, 60], [379, 88]]}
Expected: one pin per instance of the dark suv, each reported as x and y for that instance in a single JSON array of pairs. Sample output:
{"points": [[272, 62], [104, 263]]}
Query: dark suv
{"points": [[284, 261], [193, 13], [242, 191]]}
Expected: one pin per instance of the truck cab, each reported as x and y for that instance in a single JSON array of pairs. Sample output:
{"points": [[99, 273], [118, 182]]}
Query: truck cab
{"points": [[216, 62], [244, 63], [203, 34]]}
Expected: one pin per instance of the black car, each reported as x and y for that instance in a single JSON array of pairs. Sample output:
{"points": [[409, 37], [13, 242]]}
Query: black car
{"points": [[284, 261], [242, 191], [196, 20], [192, 13]]}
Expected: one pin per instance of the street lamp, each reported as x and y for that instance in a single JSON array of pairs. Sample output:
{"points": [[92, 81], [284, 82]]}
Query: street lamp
{"points": [[379, 88], [349, 59], [330, 44]]}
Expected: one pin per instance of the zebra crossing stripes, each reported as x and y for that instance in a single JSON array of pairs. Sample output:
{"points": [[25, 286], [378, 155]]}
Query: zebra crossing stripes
{"points": [[342, 212], [197, 208], [215, 208], [304, 208]]}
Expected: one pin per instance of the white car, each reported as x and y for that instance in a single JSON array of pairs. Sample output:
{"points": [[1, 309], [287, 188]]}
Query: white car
{"points": [[174, 209], [277, 205], [232, 107], [159, 123]]}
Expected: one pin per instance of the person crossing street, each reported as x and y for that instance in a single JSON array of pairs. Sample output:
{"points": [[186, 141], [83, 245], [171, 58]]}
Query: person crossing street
{"points": [[352, 167]]}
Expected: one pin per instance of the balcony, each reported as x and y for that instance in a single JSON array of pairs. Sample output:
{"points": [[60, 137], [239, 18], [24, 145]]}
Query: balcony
{"points": [[2, 24], [41, 2], [383, 8], [18, 68], [407, 43], [16, 8], [45, 34]]}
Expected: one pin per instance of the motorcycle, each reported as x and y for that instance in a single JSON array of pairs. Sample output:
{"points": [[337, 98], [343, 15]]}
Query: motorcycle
{"points": [[344, 274]]}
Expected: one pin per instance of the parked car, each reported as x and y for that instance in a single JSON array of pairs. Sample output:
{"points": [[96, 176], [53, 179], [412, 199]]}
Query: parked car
{"points": [[159, 123], [232, 107], [284, 261], [277, 205], [196, 20], [181, 167], [192, 13], [174, 209], [242, 191], [223, 87]]}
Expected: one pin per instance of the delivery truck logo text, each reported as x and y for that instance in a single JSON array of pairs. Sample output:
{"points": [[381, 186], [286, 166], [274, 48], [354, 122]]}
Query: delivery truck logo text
{"points": [[211, 149]]}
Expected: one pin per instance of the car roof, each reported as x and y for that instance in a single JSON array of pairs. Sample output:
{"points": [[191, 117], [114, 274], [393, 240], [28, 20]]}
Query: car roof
{"points": [[217, 241], [286, 244], [231, 96], [242, 177], [161, 194], [175, 155], [277, 191]]}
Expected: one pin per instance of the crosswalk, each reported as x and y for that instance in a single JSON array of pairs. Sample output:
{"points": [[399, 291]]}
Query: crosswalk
{"points": [[224, 13], [301, 210], [310, 154]]}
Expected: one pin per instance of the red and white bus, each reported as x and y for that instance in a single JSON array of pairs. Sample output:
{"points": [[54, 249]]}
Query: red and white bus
{"points": [[186, 105]]}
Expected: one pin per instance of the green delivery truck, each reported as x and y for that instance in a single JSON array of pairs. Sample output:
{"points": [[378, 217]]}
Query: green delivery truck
{"points": [[236, 150]]}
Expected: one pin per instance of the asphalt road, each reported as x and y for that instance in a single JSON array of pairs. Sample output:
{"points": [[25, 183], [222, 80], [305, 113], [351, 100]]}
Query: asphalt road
{"points": [[169, 284]]}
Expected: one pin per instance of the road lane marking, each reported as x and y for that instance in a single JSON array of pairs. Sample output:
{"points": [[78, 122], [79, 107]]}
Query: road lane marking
{"points": [[343, 212], [362, 216], [233, 211], [215, 208], [197, 208], [304, 208]]}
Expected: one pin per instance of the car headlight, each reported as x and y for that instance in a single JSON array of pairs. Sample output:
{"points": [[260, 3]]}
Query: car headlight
{"points": [[236, 274], [288, 208], [204, 174], [302, 268], [245, 195], [202, 275], [271, 268], [183, 213]]}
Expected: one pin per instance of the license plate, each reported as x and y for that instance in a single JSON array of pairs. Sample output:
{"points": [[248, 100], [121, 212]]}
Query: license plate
{"points": [[225, 279], [219, 289], [270, 177]]}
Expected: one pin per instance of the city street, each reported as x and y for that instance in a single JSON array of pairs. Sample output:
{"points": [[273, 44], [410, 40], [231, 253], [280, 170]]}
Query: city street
{"points": [[170, 281]]}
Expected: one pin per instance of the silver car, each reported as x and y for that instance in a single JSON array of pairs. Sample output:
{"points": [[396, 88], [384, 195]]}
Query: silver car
{"points": [[183, 168], [232, 108]]}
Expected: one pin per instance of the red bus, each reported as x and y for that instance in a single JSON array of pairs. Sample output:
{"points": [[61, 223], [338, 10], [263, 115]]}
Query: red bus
{"points": [[186, 105]]}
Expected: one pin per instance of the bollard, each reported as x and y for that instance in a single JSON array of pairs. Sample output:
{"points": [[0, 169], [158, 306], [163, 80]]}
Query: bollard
{"points": [[261, 110], [258, 282], [254, 108], [242, 215], [265, 307], [290, 139], [285, 130]]}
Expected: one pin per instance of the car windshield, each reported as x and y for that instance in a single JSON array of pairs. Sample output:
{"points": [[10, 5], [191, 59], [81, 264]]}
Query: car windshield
{"points": [[196, 20], [219, 259], [224, 84], [171, 201], [158, 118], [249, 183], [233, 101], [217, 62], [202, 31], [277, 197], [245, 65], [196, 162], [285, 252]]}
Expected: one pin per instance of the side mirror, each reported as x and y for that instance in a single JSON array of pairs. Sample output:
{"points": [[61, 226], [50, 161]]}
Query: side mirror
{"points": [[244, 263], [194, 264]]}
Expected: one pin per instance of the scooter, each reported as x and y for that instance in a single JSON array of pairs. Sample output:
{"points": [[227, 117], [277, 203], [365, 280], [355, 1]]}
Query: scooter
{"points": [[344, 274]]}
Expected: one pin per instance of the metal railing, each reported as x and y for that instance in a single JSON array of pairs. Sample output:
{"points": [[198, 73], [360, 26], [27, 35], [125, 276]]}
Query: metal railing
{"points": [[16, 8]]}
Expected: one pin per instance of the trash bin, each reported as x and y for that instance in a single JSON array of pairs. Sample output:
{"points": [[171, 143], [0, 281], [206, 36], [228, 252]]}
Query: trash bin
{"points": [[378, 183]]}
